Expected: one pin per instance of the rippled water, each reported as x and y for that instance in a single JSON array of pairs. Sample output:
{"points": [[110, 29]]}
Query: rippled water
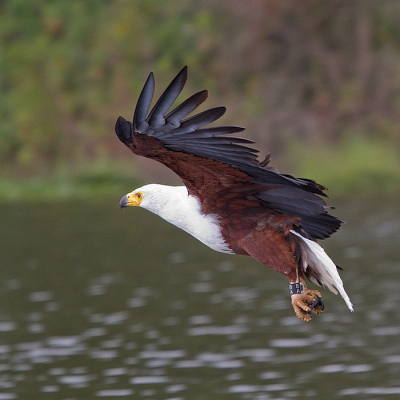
{"points": [[99, 303]]}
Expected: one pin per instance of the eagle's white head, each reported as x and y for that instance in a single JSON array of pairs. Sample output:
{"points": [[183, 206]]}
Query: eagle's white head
{"points": [[175, 205], [155, 198]]}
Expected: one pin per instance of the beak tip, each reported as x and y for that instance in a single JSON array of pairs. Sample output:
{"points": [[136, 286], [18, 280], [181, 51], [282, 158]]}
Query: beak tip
{"points": [[123, 202]]}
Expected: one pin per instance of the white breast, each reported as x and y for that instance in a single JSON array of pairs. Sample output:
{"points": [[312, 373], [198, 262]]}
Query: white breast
{"points": [[174, 204]]}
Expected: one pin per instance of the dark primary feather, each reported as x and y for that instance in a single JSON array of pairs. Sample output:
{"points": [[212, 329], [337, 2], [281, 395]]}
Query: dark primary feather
{"points": [[169, 137], [184, 109], [156, 117], [143, 105]]}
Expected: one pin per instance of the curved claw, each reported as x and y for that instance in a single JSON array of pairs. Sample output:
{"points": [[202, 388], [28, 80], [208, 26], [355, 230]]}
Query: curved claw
{"points": [[317, 302], [307, 303]]}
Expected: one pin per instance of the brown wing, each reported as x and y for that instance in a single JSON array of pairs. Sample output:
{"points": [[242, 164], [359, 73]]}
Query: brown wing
{"points": [[221, 171]]}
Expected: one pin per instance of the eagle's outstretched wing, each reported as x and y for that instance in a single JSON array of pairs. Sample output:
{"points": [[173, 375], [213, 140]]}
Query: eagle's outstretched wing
{"points": [[216, 167]]}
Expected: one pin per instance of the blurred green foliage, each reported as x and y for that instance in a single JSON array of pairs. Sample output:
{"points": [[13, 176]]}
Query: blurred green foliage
{"points": [[303, 77], [356, 165], [99, 179]]}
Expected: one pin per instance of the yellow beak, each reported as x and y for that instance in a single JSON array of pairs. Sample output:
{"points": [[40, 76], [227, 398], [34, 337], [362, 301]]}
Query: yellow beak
{"points": [[130, 200]]}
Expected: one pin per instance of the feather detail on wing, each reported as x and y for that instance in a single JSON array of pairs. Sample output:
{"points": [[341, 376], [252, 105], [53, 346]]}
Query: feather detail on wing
{"points": [[213, 165], [177, 133]]}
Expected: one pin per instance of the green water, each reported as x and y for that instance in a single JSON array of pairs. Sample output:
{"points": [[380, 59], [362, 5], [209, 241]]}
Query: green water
{"points": [[101, 303]]}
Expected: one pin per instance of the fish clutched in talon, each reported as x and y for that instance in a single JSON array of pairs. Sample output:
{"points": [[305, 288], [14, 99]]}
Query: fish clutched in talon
{"points": [[231, 201], [307, 303]]}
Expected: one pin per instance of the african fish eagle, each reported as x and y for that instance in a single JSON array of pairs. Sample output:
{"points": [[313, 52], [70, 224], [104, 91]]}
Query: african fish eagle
{"points": [[230, 201]]}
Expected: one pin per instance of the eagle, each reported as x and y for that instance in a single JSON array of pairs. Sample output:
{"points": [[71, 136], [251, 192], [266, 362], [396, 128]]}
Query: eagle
{"points": [[231, 201]]}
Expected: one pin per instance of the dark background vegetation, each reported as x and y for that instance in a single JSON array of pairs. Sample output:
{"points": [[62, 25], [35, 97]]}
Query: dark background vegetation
{"points": [[316, 82]]}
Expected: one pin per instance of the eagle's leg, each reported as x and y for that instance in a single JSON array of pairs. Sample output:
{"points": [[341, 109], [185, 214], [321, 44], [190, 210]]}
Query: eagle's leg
{"points": [[305, 301]]}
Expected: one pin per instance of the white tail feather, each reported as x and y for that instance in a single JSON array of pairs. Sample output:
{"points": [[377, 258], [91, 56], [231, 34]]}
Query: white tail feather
{"points": [[320, 261]]}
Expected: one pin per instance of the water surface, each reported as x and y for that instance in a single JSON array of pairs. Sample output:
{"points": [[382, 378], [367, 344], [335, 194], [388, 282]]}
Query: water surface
{"points": [[99, 303]]}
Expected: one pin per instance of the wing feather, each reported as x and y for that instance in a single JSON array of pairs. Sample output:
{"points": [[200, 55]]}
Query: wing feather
{"points": [[184, 109], [215, 131], [156, 117], [201, 119], [143, 105], [205, 157]]}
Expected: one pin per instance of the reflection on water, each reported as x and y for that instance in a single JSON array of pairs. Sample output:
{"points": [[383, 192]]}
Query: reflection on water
{"points": [[99, 303]]}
